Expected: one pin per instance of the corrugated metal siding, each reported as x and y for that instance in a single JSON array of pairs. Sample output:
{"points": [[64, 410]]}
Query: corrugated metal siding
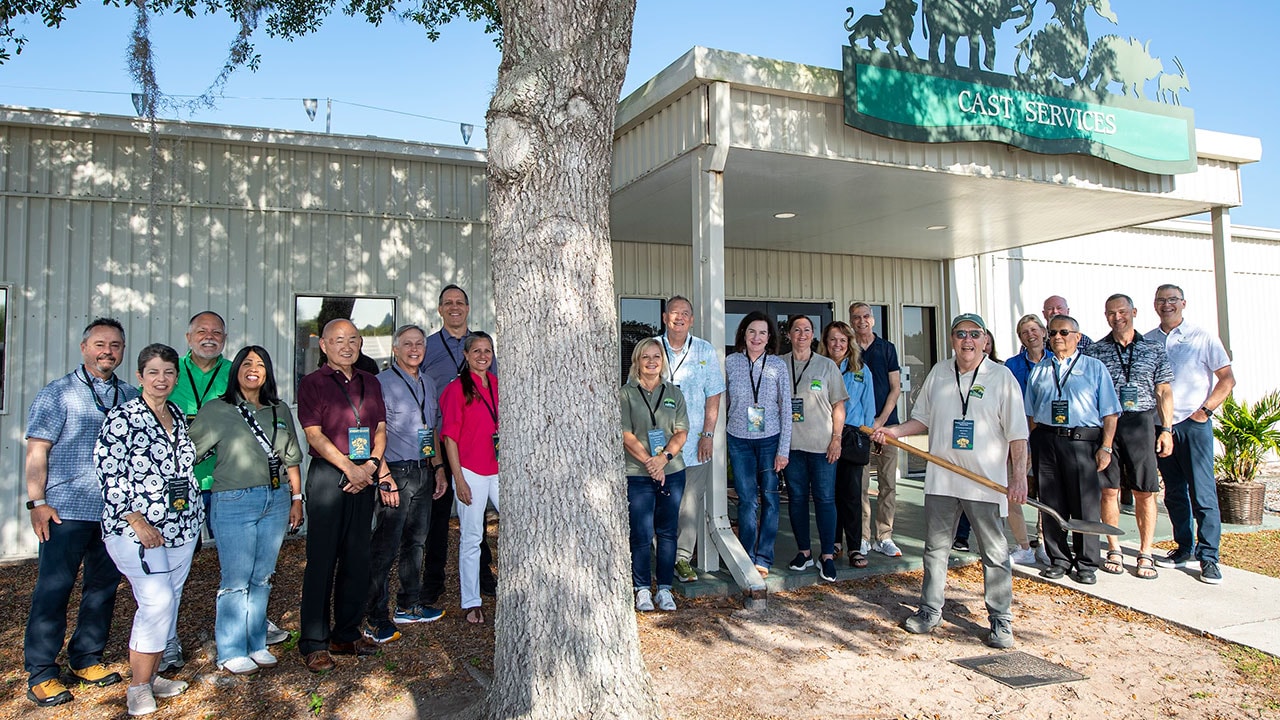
{"points": [[240, 228], [1136, 261], [660, 138]]}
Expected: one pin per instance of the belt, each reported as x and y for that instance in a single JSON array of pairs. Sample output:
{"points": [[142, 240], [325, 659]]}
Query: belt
{"points": [[424, 464], [1086, 434]]}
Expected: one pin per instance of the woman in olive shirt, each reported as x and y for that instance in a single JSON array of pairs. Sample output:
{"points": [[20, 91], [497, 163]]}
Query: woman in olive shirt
{"points": [[256, 493], [654, 427]]}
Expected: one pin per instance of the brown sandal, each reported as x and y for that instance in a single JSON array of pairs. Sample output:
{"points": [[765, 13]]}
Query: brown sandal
{"points": [[1114, 567], [475, 616], [1146, 569], [857, 560]]}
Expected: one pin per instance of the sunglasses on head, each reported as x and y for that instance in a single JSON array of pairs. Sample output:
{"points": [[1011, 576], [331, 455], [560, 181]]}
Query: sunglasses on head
{"points": [[1060, 331]]}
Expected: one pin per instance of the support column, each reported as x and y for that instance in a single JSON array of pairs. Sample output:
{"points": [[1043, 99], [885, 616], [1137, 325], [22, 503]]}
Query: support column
{"points": [[1221, 217], [717, 540]]}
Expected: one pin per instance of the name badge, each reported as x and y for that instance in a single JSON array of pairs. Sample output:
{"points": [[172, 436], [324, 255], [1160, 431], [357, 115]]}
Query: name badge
{"points": [[657, 440], [177, 488], [1129, 397], [755, 418], [1058, 409], [495, 446], [962, 434], [797, 410], [426, 442], [275, 465], [359, 444]]}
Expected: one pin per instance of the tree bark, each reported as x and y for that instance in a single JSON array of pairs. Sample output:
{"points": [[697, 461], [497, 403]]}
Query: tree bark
{"points": [[567, 645]]}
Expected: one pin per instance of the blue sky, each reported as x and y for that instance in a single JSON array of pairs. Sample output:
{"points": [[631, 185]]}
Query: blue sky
{"points": [[82, 66]]}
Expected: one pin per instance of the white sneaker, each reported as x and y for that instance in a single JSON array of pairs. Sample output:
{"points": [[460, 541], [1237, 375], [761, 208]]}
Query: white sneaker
{"points": [[275, 635], [886, 547], [644, 600], [263, 658], [1023, 557], [665, 601], [140, 700], [240, 666], [1042, 557], [866, 548], [163, 687]]}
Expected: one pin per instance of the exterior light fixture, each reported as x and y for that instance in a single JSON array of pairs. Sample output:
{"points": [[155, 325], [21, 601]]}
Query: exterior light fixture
{"points": [[784, 215], [936, 227]]}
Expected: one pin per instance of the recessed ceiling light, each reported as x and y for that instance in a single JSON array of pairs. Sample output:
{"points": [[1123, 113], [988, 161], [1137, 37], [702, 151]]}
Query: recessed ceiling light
{"points": [[936, 227], [784, 215]]}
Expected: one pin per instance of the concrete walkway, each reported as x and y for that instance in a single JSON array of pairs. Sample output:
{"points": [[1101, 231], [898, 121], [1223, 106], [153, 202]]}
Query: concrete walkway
{"points": [[1243, 609]]}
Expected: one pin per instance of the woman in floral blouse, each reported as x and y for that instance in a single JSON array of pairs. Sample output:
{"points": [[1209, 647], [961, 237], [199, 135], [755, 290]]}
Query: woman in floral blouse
{"points": [[152, 517]]}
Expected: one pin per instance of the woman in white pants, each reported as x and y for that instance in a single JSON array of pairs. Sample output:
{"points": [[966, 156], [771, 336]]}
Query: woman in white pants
{"points": [[152, 515], [469, 406]]}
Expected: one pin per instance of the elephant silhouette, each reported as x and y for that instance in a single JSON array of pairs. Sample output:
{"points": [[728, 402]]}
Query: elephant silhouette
{"points": [[946, 21]]}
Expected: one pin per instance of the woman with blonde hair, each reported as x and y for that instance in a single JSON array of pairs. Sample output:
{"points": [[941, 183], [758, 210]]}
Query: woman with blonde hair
{"points": [[859, 409]]}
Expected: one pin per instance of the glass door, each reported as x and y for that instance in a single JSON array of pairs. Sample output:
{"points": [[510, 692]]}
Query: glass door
{"points": [[735, 310]]}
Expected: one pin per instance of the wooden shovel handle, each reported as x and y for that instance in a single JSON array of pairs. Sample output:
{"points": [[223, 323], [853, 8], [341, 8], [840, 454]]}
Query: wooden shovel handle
{"points": [[939, 461]]}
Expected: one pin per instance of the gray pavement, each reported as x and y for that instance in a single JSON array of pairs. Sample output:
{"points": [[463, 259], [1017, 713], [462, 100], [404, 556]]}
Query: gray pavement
{"points": [[1243, 609]]}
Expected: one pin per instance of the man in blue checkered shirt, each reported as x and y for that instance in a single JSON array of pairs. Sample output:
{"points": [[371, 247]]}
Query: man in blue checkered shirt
{"points": [[65, 500]]}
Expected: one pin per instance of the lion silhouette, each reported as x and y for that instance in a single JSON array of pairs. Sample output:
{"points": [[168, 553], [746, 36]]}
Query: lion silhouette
{"points": [[894, 25]]}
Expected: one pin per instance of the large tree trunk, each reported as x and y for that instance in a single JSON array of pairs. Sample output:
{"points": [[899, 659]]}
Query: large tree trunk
{"points": [[567, 645]]}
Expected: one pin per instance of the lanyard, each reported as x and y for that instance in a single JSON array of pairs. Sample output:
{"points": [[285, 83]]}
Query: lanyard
{"points": [[268, 446], [653, 409], [200, 396], [422, 404], [456, 364], [1058, 382], [343, 388], [685, 356], [755, 384], [1126, 367], [795, 379], [964, 396], [115, 396], [493, 409]]}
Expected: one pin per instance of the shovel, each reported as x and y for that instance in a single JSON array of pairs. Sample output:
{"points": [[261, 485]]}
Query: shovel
{"points": [[1081, 526]]}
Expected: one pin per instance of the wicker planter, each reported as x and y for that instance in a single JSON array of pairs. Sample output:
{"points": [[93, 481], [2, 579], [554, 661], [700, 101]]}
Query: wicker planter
{"points": [[1242, 503]]}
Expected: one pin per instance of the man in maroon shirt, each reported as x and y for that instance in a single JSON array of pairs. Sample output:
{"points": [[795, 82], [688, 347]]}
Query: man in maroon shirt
{"points": [[341, 411]]}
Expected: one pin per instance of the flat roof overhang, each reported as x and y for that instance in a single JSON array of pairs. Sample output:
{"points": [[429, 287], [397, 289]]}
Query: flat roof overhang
{"points": [[788, 150]]}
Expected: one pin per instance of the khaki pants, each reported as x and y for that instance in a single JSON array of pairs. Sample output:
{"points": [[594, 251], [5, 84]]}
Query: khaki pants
{"points": [[886, 465]]}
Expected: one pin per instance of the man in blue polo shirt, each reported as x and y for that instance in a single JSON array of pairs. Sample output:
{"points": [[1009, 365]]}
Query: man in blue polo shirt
{"points": [[65, 500], [882, 357], [1202, 381], [694, 367]]}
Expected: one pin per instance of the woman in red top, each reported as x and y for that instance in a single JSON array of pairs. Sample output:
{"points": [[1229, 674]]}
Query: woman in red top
{"points": [[469, 406]]}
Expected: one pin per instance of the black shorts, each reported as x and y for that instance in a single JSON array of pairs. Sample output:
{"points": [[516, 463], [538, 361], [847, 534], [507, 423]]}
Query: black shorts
{"points": [[1133, 460]]}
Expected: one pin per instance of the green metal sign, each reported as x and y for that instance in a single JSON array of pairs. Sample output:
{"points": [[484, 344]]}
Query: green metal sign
{"points": [[1069, 93]]}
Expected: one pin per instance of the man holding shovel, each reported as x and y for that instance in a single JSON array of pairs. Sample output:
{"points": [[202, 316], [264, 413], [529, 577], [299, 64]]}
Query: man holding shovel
{"points": [[972, 410]]}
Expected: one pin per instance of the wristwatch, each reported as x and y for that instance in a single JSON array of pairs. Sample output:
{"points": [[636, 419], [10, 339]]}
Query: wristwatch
{"points": [[1105, 449], [669, 455], [33, 504], [1206, 411], [707, 435], [1165, 429]]}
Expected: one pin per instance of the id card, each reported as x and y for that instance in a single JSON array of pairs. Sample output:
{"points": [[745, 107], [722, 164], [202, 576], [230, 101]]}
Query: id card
{"points": [[1129, 397], [797, 410], [426, 442], [495, 446], [755, 418], [176, 489], [275, 465], [1058, 409], [657, 440], [962, 434], [359, 444]]}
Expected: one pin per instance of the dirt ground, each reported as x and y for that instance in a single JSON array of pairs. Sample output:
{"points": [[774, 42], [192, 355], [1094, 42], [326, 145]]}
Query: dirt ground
{"points": [[832, 651]]}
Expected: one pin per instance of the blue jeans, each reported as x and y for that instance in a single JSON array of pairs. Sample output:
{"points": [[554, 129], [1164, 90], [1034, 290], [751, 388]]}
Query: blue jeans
{"points": [[250, 525], [70, 544], [1189, 489], [654, 510], [757, 487], [807, 473], [400, 531]]}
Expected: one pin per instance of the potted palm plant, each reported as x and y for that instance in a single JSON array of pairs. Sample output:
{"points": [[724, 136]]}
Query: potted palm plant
{"points": [[1246, 432]]}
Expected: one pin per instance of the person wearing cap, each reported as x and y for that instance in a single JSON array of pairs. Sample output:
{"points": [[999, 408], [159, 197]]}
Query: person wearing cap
{"points": [[1072, 408], [972, 410]]}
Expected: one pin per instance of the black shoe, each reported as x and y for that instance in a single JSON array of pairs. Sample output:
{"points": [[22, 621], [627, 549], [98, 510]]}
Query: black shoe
{"points": [[961, 544], [488, 585], [1053, 572], [1175, 558], [801, 562], [1085, 577], [1209, 572]]}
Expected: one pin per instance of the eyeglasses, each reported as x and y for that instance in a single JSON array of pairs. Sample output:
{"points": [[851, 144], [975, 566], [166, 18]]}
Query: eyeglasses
{"points": [[146, 569], [973, 334], [1060, 331], [1168, 300]]}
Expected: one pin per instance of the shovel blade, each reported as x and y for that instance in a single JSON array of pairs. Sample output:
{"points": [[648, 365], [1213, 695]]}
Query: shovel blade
{"points": [[1086, 527]]}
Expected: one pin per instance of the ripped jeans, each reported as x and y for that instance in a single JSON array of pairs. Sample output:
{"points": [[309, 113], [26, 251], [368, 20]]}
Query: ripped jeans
{"points": [[249, 526]]}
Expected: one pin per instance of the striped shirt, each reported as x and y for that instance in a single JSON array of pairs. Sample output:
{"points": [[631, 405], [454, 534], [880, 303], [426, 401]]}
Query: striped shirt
{"points": [[1142, 364]]}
